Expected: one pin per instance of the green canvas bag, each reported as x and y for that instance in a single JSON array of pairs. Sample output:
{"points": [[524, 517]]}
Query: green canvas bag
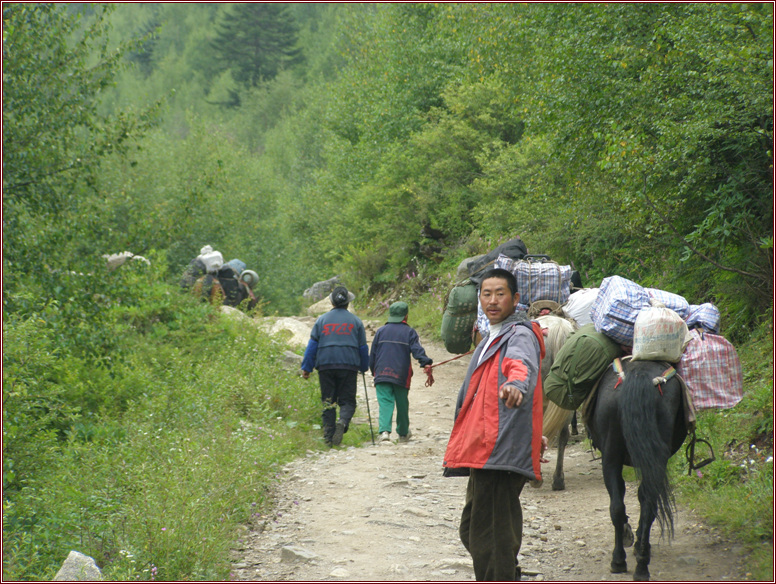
{"points": [[459, 316], [579, 364]]}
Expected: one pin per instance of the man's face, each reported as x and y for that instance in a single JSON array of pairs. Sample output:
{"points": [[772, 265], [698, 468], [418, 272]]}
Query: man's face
{"points": [[496, 300]]}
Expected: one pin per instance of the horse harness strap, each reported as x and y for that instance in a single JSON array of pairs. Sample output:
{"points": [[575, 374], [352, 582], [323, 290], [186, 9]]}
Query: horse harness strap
{"points": [[656, 381], [619, 370], [667, 374]]}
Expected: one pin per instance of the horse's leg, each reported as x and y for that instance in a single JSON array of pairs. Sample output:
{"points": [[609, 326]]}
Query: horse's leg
{"points": [[615, 485], [642, 549], [574, 429], [559, 480]]}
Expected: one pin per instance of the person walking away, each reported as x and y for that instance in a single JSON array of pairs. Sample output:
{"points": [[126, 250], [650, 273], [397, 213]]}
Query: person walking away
{"points": [[390, 364], [337, 349], [497, 434]]}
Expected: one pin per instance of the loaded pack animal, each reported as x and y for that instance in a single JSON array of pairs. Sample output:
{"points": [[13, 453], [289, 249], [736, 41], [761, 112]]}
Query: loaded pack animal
{"points": [[637, 418], [556, 419]]}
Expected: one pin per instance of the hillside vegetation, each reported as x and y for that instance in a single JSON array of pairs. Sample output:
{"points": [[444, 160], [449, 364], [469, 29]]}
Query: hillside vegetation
{"points": [[380, 142]]}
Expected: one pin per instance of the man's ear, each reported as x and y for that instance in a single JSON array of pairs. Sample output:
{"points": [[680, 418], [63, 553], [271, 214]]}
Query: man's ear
{"points": [[517, 298]]}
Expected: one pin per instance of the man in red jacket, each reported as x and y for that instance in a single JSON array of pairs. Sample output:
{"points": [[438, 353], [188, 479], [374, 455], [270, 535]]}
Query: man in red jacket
{"points": [[497, 434]]}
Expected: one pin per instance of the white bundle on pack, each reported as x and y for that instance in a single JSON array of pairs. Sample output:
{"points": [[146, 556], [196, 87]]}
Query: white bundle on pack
{"points": [[579, 304], [659, 334], [213, 260]]}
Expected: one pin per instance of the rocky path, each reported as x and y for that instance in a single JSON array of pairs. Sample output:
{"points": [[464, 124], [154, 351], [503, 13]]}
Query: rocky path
{"points": [[384, 512]]}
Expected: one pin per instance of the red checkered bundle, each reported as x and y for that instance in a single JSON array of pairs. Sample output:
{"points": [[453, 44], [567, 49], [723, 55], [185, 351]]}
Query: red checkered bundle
{"points": [[712, 371]]}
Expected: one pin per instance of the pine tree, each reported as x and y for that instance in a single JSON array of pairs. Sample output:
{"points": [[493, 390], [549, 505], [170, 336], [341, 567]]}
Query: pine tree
{"points": [[256, 41]]}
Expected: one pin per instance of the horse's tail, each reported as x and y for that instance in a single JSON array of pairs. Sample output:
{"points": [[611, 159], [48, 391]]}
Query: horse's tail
{"points": [[555, 419], [649, 453]]}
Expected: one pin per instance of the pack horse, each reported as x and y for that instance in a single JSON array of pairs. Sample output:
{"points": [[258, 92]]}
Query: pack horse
{"points": [[637, 418]]}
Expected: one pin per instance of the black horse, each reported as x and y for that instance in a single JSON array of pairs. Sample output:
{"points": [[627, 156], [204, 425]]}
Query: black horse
{"points": [[638, 421]]}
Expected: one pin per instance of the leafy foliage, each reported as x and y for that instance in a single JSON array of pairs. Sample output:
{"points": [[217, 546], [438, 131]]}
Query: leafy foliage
{"points": [[380, 142]]}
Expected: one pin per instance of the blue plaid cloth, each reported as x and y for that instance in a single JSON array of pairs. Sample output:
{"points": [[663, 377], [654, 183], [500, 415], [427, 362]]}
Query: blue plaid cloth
{"points": [[538, 280], [616, 307], [483, 324], [673, 301], [705, 315]]}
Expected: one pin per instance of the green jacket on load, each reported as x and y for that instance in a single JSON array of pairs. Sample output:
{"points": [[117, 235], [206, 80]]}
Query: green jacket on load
{"points": [[578, 366]]}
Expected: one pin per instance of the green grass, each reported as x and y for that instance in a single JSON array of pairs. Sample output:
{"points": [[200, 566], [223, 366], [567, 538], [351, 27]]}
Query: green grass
{"points": [[735, 492], [153, 487]]}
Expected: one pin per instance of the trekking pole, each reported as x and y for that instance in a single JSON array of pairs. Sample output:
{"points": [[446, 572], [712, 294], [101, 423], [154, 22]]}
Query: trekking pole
{"points": [[366, 395]]}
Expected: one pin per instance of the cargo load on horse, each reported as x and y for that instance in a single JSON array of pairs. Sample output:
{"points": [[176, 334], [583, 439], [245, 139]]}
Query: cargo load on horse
{"points": [[579, 364], [578, 305], [712, 371], [230, 283], [619, 302], [659, 334], [539, 281], [460, 307]]}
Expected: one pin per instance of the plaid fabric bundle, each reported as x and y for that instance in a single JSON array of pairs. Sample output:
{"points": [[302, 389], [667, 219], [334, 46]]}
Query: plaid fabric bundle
{"points": [[538, 280], [483, 324], [616, 307], [712, 372], [673, 301], [705, 315]]}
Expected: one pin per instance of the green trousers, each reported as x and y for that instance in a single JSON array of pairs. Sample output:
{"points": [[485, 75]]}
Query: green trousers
{"points": [[492, 523], [389, 394]]}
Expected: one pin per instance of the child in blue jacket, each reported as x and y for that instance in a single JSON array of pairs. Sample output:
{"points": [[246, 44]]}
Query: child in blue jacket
{"points": [[390, 364]]}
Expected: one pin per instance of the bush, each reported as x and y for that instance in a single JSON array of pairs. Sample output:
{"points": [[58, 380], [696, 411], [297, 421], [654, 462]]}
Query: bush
{"points": [[203, 417]]}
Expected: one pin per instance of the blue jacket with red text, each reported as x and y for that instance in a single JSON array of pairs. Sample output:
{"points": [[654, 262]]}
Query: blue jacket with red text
{"points": [[337, 341]]}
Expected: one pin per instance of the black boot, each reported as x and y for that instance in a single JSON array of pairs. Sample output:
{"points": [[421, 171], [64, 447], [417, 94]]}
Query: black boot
{"points": [[328, 434]]}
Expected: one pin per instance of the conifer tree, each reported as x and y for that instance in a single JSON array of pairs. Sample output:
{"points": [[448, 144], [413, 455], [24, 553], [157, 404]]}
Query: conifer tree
{"points": [[256, 41]]}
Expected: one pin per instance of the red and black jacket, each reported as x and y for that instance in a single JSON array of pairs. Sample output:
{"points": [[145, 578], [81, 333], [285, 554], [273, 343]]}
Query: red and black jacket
{"points": [[486, 434]]}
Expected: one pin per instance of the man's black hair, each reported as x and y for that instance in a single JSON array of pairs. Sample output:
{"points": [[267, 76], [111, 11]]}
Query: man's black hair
{"points": [[340, 297], [504, 275]]}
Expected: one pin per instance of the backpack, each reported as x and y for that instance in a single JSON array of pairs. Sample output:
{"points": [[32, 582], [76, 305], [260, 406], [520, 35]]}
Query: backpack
{"points": [[578, 366], [234, 291], [459, 316]]}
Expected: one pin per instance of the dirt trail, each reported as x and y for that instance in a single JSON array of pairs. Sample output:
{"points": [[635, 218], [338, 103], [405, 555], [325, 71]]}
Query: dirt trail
{"points": [[385, 512]]}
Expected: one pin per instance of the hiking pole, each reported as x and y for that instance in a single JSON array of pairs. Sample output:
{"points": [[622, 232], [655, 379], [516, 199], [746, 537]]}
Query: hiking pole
{"points": [[366, 395]]}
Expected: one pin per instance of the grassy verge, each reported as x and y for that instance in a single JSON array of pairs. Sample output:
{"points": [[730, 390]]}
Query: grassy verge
{"points": [[155, 487], [734, 494]]}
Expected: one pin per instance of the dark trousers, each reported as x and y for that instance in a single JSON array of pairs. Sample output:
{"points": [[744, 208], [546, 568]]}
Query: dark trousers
{"points": [[338, 388], [492, 523]]}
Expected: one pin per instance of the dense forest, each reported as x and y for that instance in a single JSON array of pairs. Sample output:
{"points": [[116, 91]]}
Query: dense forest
{"points": [[383, 143]]}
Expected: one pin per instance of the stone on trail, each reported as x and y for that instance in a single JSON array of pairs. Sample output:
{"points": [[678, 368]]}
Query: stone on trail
{"points": [[291, 553]]}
